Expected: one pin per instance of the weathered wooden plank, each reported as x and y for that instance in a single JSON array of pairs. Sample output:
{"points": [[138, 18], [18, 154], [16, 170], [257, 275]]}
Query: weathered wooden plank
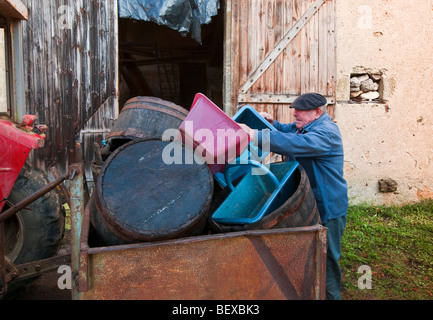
{"points": [[305, 54], [30, 54], [235, 53], [296, 53], [253, 44], [228, 76], [78, 48], [279, 30], [277, 73], [244, 25], [289, 81], [284, 114], [53, 71], [323, 49], [314, 52], [261, 34], [272, 23]]}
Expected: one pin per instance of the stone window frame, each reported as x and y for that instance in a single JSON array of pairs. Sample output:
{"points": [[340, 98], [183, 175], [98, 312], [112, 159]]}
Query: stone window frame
{"points": [[384, 82]]}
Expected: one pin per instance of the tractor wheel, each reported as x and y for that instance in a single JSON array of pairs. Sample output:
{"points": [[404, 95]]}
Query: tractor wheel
{"points": [[35, 232]]}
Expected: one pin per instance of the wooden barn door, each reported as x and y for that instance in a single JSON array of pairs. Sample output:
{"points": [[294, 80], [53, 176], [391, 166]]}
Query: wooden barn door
{"points": [[276, 50]]}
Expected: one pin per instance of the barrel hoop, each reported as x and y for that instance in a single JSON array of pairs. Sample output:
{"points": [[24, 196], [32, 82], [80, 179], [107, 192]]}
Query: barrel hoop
{"points": [[128, 236], [296, 205], [312, 215], [130, 105], [167, 111]]}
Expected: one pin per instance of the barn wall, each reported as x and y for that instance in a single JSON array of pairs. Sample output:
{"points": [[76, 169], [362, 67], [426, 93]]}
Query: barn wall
{"points": [[70, 64], [390, 140]]}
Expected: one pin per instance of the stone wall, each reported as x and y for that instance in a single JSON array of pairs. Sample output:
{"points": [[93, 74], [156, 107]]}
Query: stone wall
{"points": [[365, 85], [387, 139]]}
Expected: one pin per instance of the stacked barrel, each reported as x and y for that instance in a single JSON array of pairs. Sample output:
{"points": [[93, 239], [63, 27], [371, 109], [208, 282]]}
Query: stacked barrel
{"points": [[139, 197]]}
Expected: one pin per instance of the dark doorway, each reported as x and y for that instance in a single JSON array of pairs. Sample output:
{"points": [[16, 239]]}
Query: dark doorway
{"points": [[155, 60]]}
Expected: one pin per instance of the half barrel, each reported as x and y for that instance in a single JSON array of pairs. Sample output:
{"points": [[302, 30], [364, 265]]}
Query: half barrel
{"points": [[300, 209], [145, 117], [141, 196]]}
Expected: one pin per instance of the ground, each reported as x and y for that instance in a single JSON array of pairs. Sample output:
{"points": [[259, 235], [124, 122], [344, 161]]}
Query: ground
{"points": [[45, 287]]}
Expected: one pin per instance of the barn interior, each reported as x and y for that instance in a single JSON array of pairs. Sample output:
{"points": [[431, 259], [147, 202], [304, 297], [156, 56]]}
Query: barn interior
{"points": [[156, 60]]}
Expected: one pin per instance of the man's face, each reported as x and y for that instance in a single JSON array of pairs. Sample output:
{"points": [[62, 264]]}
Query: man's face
{"points": [[304, 117]]}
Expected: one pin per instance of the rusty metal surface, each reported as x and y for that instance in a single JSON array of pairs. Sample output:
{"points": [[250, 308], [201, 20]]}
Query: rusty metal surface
{"points": [[260, 264], [77, 213], [37, 268]]}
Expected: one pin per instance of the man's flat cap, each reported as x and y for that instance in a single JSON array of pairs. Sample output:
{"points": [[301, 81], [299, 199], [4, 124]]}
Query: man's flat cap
{"points": [[309, 101]]}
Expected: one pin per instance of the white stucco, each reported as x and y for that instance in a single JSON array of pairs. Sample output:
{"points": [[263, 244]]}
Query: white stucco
{"points": [[392, 140]]}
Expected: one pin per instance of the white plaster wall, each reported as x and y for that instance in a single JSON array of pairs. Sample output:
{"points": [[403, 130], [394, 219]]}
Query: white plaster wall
{"points": [[392, 140]]}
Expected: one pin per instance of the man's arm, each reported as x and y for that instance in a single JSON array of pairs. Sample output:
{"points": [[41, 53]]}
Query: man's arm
{"points": [[311, 144]]}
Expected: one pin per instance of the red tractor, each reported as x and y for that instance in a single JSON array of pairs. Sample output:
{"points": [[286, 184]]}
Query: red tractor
{"points": [[31, 215]]}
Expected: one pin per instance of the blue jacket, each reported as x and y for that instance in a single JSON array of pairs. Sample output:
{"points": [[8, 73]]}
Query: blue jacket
{"points": [[319, 150]]}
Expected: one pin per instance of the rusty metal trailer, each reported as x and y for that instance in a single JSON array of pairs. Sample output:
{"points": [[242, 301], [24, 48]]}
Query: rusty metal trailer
{"points": [[287, 263]]}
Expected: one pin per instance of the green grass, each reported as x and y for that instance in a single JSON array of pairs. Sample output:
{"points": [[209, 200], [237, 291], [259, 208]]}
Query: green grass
{"points": [[396, 243]]}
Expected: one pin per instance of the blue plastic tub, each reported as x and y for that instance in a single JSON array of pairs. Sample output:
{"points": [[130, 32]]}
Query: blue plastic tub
{"points": [[249, 116], [256, 195]]}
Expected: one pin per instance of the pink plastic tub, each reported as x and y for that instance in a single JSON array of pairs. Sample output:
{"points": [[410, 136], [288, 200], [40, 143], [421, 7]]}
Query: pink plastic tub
{"points": [[212, 134]]}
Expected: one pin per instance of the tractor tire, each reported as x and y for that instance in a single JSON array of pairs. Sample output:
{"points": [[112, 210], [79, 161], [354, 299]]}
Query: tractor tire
{"points": [[35, 232]]}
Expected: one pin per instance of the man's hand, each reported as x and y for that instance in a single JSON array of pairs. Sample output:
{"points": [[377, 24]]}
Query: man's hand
{"points": [[268, 117], [251, 132]]}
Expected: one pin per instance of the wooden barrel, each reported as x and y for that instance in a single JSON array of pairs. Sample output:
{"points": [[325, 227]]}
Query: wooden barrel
{"points": [[139, 197], [299, 210], [145, 117]]}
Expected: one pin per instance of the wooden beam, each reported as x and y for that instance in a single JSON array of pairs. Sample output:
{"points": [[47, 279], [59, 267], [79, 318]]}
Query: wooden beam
{"points": [[14, 9], [272, 98]]}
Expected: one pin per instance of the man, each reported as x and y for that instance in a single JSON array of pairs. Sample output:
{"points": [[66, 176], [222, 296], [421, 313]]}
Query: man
{"points": [[315, 142]]}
